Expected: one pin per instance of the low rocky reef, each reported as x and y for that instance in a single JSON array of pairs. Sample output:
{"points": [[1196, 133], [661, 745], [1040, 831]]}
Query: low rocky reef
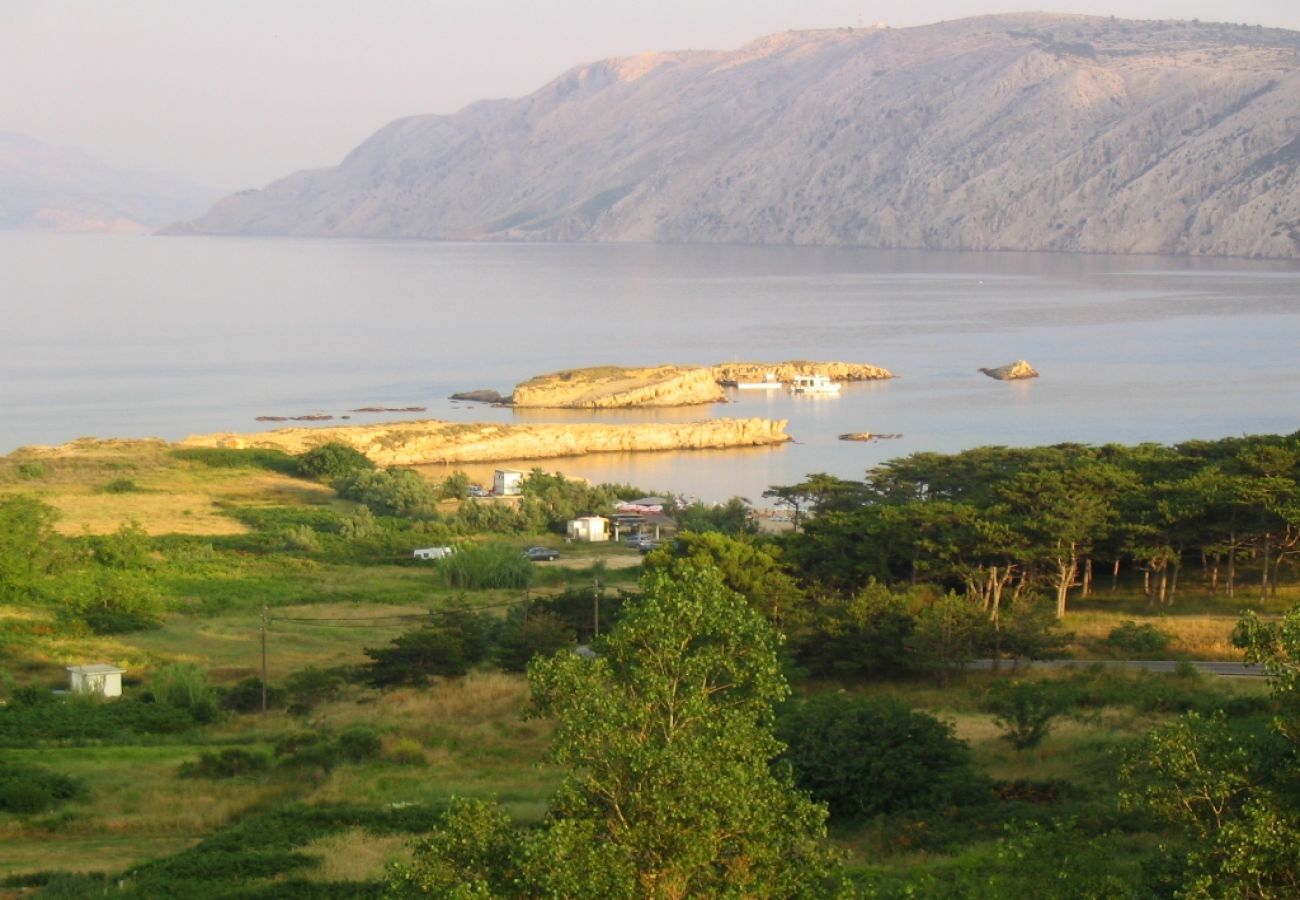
{"points": [[1012, 371], [433, 441], [733, 372], [619, 387]]}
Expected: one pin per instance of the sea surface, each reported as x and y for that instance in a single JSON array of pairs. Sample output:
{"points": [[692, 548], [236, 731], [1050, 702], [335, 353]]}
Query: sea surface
{"points": [[125, 336]]}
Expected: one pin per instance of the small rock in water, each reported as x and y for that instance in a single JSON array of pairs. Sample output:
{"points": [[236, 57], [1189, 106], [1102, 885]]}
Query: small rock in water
{"points": [[1012, 371], [479, 396]]}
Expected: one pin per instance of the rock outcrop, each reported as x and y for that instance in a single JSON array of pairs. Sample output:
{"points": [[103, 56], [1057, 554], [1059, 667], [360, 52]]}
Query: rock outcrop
{"points": [[432, 441], [785, 371], [616, 387], [479, 396], [1012, 371], [1027, 131]]}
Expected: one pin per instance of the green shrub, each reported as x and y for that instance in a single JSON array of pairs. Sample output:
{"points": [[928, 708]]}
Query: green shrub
{"points": [[110, 601], [391, 492], [1131, 638], [486, 566], [300, 539], [455, 641], [539, 634], [308, 688], [863, 756], [229, 763], [120, 486], [333, 460], [78, 719], [32, 470], [359, 743], [34, 789], [576, 608], [231, 458], [408, 752], [245, 696], [185, 687], [1024, 710]]}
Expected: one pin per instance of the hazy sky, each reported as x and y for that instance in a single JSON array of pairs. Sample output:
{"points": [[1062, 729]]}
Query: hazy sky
{"points": [[234, 93]]}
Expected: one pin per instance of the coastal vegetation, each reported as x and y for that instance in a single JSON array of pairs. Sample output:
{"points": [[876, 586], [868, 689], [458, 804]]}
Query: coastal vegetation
{"points": [[392, 740]]}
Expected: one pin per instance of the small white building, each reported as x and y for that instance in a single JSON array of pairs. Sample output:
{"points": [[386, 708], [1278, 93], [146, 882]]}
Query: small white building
{"points": [[507, 482], [96, 678], [589, 528]]}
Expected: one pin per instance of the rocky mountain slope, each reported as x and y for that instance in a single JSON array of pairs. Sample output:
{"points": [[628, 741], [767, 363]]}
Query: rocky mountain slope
{"points": [[1014, 132], [43, 186]]}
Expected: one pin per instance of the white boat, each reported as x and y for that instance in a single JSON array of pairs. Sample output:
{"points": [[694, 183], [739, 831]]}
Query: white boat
{"points": [[814, 384], [769, 383]]}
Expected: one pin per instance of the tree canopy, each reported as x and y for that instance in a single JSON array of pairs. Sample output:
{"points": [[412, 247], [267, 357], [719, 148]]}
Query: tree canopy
{"points": [[667, 736]]}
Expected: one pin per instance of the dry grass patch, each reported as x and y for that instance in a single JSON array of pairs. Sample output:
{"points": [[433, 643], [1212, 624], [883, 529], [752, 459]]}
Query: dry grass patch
{"points": [[100, 853], [1194, 636], [355, 855]]}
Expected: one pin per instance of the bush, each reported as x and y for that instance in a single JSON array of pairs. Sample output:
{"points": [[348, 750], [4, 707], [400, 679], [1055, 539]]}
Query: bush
{"points": [[229, 763], [484, 566], [300, 539], [456, 640], [333, 460], [540, 634], [390, 492], [245, 696], [35, 789], [231, 458], [1024, 710], [185, 687], [32, 470], [111, 601], [864, 756], [120, 486], [308, 688], [76, 719], [359, 743], [1131, 638], [408, 752]]}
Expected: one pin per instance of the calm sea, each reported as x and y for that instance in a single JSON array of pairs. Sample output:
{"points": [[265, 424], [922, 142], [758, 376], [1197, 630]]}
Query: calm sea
{"points": [[146, 336]]}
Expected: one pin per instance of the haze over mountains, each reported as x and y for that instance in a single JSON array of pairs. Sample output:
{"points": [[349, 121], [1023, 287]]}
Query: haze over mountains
{"points": [[44, 186], [1016, 132]]}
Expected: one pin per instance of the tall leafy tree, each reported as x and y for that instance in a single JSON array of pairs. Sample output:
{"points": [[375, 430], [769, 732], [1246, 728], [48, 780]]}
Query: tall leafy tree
{"points": [[671, 792], [1063, 506], [28, 547]]}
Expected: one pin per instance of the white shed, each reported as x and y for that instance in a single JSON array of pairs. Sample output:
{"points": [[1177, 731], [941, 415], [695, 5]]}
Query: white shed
{"points": [[96, 679], [589, 528], [506, 482]]}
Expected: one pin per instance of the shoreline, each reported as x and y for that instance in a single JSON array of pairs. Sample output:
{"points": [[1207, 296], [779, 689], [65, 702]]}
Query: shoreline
{"points": [[432, 441]]}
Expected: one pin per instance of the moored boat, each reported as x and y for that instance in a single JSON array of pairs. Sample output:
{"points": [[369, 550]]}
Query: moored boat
{"points": [[814, 384], [769, 382]]}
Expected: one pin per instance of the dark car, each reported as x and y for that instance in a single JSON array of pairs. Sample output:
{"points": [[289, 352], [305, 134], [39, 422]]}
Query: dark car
{"points": [[541, 554]]}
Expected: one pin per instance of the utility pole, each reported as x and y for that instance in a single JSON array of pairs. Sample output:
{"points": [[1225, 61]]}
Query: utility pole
{"points": [[595, 607], [264, 658]]}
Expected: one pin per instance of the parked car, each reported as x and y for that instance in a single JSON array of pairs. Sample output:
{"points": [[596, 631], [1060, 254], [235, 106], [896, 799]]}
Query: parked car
{"points": [[646, 546], [477, 491], [541, 554]]}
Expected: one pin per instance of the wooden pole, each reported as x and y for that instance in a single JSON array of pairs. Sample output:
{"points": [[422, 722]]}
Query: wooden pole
{"points": [[263, 657]]}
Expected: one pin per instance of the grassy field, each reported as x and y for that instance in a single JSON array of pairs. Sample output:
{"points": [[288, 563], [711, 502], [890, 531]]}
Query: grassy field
{"points": [[216, 569]]}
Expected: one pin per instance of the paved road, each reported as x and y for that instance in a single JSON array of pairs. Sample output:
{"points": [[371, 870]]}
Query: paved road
{"points": [[1146, 665]]}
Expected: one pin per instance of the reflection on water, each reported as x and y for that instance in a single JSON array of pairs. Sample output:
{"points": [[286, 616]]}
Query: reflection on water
{"points": [[150, 336]]}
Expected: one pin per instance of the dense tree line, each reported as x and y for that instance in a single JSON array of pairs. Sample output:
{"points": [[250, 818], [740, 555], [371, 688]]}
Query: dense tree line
{"points": [[997, 523]]}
